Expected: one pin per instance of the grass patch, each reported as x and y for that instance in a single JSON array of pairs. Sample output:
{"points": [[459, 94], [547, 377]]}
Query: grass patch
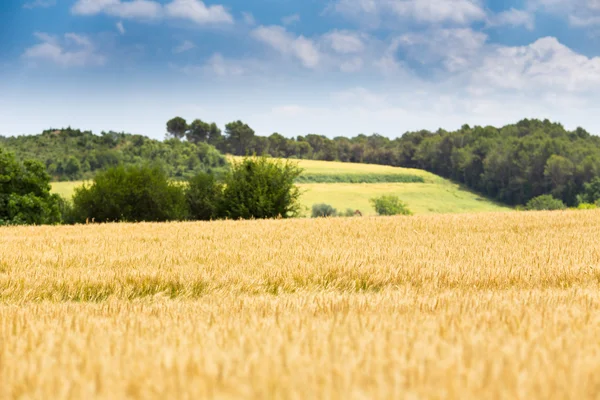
{"points": [[360, 178]]}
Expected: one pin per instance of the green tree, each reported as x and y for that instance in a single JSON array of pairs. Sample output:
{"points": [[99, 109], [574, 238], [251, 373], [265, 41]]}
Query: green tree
{"points": [[199, 131], [132, 193], [25, 193], [239, 136], [177, 127], [591, 192], [72, 168], [389, 205], [545, 202], [323, 210], [204, 194], [559, 172], [258, 187]]}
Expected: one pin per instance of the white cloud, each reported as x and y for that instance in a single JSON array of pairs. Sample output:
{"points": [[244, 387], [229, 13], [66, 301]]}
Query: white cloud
{"points": [[40, 4], [352, 65], [219, 66], [249, 18], [194, 10], [344, 42], [427, 11], [72, 51], [545, 65], [198, 12], [579, 13], [222, 67], [142, 9], [186, 45], [455, 48], [513, 17], [387, 63], [290, 19], [285, 43], [120, 27]]}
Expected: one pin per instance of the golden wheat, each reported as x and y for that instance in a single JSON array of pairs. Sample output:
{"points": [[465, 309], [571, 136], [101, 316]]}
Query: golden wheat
{"points": [[500, 305]]}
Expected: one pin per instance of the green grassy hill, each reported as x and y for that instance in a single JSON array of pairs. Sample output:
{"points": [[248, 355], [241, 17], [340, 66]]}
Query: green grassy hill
{"points": [[433, 195]]}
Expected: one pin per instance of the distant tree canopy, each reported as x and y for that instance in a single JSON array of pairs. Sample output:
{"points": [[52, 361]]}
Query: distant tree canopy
{"points": [[25, 193], [71, 154], [512, 164]]}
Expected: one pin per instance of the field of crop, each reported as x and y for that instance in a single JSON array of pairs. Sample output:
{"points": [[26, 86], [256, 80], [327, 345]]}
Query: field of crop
{"points": [[433, 195], [491, 305]]}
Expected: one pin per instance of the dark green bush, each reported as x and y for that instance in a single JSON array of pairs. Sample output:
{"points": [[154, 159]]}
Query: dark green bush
{"points": [[25, 193], [258, 187], [132, 193], [323, 210], [591, 192], [204, 194], [545, 202], [389, 205]]}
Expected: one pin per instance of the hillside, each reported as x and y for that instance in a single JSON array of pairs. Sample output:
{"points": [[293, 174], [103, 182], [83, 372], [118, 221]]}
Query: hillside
{"points": [[511, 164], [433, 195]]}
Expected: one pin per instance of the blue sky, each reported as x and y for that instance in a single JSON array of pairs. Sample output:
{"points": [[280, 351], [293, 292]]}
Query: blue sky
{"points": [[332, 67]]}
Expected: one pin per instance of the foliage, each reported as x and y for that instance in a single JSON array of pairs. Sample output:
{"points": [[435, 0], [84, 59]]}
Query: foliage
{"points": [[177, 127], [258, 187], [545, 202], [323, 210], [511, 164], [70, 154], [25, 196], [130, 193], [591, 191], [587, 206], [204, 194], [389, 205]]}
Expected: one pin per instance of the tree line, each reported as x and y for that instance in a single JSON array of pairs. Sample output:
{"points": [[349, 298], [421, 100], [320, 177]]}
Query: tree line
{"points": [[72, 154], [512, 164]]}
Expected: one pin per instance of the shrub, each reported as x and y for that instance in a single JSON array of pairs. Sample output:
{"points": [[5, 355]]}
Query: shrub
{"points": [[389, 205], [348, 213], [586, 206], [545, 202], [133, 193], [203, 196], [67, 215], [25, 193], [258, 187], [323, 210]]}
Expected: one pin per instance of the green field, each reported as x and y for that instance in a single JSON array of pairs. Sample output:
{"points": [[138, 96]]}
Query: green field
{"points": [[435, 195]]}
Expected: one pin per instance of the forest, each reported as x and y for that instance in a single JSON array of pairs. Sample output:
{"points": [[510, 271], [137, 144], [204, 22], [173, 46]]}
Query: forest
{"points": [[511, 164], [72, 154]]}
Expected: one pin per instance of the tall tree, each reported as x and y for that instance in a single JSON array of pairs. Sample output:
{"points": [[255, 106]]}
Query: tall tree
{"points": [[198, 131], [239, 135], [177, 127]]}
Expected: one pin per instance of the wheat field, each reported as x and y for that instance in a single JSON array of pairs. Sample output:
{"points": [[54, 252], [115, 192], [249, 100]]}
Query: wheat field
{"points": [[462, 306]]}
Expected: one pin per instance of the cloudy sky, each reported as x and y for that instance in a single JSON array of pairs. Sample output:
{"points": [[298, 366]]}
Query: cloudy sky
{"points": [[332, 67]]}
